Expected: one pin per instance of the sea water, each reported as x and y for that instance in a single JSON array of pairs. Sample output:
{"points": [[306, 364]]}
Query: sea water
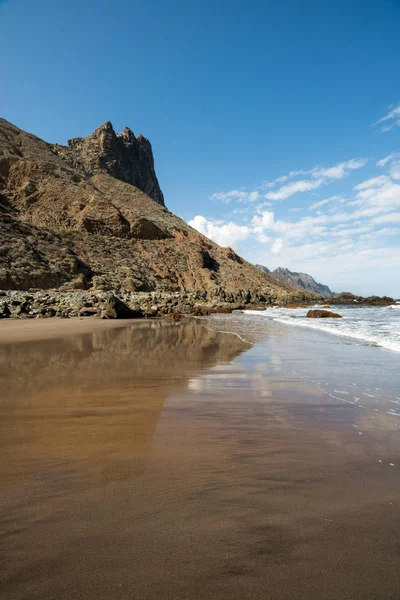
{"points": [[377, 325], [354, 359]]}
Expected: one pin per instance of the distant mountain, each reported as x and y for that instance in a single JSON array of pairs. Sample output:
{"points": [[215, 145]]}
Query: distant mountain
{"points": [[298, 281]]}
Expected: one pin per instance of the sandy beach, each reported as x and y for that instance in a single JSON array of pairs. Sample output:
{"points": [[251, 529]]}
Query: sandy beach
{"points": [[28, 330], [162, 460]]}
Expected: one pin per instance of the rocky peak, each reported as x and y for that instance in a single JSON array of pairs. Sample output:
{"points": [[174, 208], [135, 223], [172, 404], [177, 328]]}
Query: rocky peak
{"points": [[263, 268], [121, 155], [297, 281]]}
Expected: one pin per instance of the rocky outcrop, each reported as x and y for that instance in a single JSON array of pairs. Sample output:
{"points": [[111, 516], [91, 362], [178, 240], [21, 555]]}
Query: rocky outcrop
{"points": [[77, 217], [322, 314], [298, 281], [263, 269], [121, 155], [346, 298]]}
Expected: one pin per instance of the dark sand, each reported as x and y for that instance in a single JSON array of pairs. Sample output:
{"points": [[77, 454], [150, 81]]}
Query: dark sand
{"points": [[169, 461]]}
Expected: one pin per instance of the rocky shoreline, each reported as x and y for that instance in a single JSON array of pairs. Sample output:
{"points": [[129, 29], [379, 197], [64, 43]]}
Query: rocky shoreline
{"points": [[18, 304]]}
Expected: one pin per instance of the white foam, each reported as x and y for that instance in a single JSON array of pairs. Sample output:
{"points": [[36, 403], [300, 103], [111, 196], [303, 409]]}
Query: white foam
{"points": [[373, 325]]}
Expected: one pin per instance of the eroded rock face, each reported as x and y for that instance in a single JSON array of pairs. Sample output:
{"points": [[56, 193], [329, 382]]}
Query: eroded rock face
{"points": [[322, 314], [121, 155]]}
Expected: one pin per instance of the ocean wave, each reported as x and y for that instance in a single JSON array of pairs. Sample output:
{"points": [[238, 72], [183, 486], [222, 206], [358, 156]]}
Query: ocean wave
{"points": [[369, 325]]}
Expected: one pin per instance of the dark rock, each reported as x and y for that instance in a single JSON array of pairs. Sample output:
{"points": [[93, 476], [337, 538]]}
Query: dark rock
{"points": [[4, 311], [208, 261], [348, 298], [114, 308], [322, 314]]}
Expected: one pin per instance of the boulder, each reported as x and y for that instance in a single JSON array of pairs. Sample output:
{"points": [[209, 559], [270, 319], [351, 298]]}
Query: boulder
{"points": [[4, 311], [175, 316], [114, 308], [322, 314]]}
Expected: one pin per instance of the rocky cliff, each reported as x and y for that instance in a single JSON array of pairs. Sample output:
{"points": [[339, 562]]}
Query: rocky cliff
{"points": [[121, 155], [298, 281], [91, 216]]}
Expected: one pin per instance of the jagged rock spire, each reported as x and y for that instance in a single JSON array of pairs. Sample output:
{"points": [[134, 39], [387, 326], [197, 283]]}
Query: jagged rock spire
{"points": [[121, 155]]}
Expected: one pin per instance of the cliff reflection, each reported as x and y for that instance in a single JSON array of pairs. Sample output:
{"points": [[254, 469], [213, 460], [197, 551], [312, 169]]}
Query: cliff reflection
{"points": [[91, 403]]}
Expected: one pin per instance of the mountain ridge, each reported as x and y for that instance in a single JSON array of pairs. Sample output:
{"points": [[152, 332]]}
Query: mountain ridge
{"points": [[298, 281]]}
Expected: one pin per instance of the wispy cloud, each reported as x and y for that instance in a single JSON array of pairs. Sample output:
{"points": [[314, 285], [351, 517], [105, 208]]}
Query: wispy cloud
{"points": [[303, 185], [393, 161], [388, 159], [392, 119], [340, 170], [319, 175], [330, 200], [240, 195]]}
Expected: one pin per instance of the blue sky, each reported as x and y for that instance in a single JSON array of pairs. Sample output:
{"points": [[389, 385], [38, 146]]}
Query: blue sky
{"points": [[263, 116]]}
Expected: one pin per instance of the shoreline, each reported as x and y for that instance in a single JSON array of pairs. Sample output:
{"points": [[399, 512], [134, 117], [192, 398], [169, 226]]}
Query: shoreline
{"points": [[19, 304]]}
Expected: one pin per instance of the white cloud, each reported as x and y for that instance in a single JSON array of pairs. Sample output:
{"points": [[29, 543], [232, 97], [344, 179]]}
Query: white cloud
{"points": [[387, 159], [261, 237], [240, 195], [326, 201], [393, 161], [320, 176], [380, 192], [271, 184], [277, 246], [395, 171], [262, 221], [339, 171], [303, 185], [224, 234], [392, 119], [390, 218], [373, 182]]}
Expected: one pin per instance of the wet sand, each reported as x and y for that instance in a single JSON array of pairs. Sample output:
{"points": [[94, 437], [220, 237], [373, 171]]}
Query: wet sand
{"points": [[169, 461], [22, 330]]}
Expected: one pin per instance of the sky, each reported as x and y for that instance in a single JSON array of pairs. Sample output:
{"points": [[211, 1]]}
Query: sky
{"points": [[274, 124]]}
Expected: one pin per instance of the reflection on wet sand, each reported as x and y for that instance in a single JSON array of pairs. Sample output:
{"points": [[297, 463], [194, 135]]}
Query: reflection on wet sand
{"points": [[174, 462], [96, 399]]}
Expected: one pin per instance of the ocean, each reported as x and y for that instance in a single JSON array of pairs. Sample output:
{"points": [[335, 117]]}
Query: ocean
{"points": [[376, 325], [354, 359]]}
